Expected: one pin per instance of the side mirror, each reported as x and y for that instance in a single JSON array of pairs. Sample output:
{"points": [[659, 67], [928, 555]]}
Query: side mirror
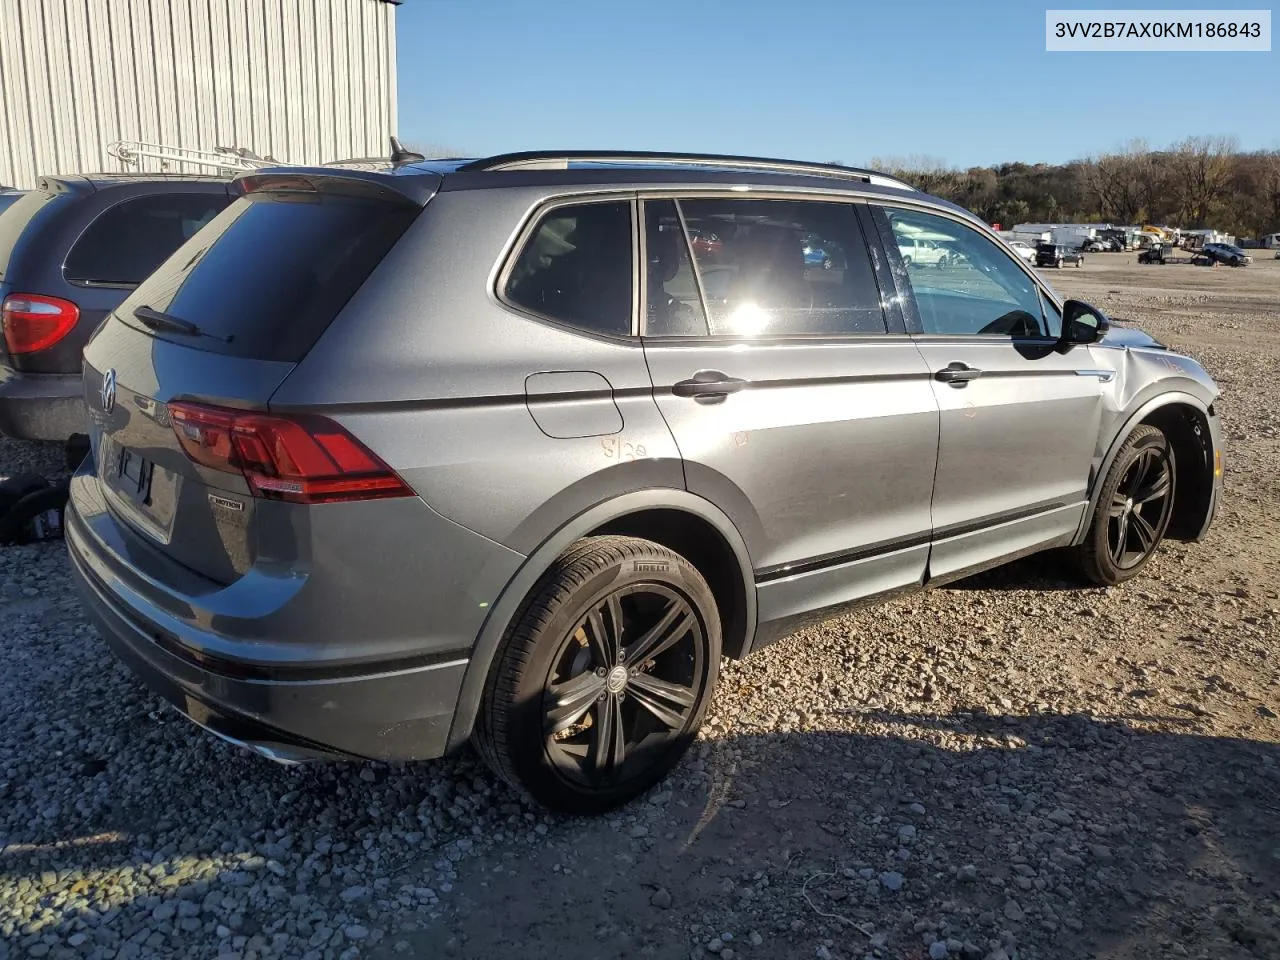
{"points": [[1082, 323]]}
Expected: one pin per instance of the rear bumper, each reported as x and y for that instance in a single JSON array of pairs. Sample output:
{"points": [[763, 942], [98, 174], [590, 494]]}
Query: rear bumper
{"points": [[290, 712], [41, 406]]}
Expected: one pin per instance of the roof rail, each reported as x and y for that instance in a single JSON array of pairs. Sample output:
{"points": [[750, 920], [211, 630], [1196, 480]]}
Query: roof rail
{"points": [[224, 160], [560, 160]]}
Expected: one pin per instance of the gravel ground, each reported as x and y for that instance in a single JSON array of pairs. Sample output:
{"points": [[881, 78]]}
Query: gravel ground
{"points": [[1010, 768]]}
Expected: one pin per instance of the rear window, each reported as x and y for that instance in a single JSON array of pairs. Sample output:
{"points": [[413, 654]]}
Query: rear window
{"points": [[126, 242], [15, 218], [268, 275]]}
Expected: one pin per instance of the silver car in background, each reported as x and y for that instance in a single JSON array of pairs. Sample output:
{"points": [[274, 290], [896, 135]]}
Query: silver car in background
{"points": [[512, 451]]}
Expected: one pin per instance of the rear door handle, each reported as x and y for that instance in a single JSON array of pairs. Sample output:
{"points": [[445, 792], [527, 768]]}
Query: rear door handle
{"points": [[957, 374], [707, 384]]}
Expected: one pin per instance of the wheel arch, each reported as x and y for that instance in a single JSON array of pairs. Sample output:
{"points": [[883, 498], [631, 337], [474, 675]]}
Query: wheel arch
{"points": [[1184, 419], [677, 519]]}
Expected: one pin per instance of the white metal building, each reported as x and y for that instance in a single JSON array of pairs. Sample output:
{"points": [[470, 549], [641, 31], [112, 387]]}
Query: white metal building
{"points": [[303, 81]]}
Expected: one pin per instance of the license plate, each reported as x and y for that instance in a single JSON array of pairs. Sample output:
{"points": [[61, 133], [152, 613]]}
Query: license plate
{"points": [[134, 476], [143, 493]]}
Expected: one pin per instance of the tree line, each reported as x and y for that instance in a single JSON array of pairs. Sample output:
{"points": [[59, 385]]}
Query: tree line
{"points": [[1196, 183]]}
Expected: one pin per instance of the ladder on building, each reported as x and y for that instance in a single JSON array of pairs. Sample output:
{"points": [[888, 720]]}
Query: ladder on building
{"points": [[222, 160]]}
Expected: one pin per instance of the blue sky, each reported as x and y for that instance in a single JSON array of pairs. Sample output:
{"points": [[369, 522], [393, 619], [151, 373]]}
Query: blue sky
{"points": [[963, 80]]}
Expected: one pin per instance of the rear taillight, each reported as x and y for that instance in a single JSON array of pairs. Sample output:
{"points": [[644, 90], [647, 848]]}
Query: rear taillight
{"points": [[303, 459], [32, 322]]}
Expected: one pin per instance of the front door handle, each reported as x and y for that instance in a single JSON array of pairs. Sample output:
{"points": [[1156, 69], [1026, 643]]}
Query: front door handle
{"points": [[957, 374], [708, 384]]}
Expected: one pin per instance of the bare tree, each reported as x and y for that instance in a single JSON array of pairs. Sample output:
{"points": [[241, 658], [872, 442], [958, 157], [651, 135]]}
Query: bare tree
{"points": [[928, 173], [1117, 181], [1202, 173], [1200, 181]]}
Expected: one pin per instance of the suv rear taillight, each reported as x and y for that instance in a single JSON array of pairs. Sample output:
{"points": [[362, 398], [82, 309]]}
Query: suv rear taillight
{"points": [[302, 459], [32, 322]]}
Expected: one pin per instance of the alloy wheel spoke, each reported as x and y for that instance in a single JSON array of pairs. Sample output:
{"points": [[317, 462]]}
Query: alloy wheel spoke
{"points": [[1119, 503], [1142, 466], [659, 696], [1157, 488], [1145, 533], [609, 739], [573, 699], [603, 648], [676, 621], [1122, 539], [614, 623]]}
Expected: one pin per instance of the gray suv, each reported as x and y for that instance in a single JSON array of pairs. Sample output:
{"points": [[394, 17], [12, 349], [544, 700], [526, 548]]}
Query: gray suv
{"points": [[512, 451]]}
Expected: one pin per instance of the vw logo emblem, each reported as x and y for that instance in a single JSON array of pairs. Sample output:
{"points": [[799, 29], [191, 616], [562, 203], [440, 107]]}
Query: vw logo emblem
{"points": [[108, 394]]}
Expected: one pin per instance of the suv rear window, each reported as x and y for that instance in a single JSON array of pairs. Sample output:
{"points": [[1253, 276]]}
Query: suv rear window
{"points": [[129, 240], [268, 274]]}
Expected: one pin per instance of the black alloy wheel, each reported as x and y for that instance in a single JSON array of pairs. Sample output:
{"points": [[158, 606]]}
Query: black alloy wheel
{"points": [[1134, 507], [1138, 510], [623, 685], [603, 679]]}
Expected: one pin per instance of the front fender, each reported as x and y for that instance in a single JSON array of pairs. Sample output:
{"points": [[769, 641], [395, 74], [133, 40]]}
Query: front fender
{"points": [[553, 543], [1146, 405]]}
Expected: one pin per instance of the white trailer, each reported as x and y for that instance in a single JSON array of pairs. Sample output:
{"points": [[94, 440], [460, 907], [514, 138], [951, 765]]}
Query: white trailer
{"points": [[1072, 234]]}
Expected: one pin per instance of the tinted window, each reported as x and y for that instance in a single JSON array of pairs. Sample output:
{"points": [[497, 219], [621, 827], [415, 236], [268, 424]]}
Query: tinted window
{"points": [[978, 288], [673, 305], [129, 240], [268, 274], [776, 267], [576, 268]]}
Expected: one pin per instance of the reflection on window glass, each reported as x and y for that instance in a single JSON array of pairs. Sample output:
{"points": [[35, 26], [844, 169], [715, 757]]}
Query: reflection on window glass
{"points": [[963, 282], [130, 240], [673, 307], [576, 268], [1052, 316], [266, 277], [764, 268]]}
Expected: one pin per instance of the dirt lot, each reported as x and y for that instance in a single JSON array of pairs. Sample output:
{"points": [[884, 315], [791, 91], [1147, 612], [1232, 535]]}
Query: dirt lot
{"points": [[1012, 767]]}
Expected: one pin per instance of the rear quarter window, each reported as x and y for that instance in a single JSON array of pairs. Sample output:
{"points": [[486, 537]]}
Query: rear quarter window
{"points": [[267, 276], [575, 268]]}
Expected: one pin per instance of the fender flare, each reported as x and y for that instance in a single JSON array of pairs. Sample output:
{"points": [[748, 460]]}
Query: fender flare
{"points": [[1135, 418], [536, 563]]}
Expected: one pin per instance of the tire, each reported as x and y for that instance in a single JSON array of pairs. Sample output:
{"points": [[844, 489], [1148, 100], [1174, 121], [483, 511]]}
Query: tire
{"points": [[557, 748], [13, 489], [906, 261], [16, 525], [1144, 465]]}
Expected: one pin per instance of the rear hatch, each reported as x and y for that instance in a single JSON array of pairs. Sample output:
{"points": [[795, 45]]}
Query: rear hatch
{"points": [[178, 379]]}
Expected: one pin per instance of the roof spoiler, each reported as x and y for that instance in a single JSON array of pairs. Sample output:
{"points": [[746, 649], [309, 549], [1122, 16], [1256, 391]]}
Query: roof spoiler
{"points": [[65, 183], [416, 189]]}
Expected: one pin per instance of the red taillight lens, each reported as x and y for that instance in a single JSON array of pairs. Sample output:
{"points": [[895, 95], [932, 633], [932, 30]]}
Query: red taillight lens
{"points": [[32, 322], [300, 459]]}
